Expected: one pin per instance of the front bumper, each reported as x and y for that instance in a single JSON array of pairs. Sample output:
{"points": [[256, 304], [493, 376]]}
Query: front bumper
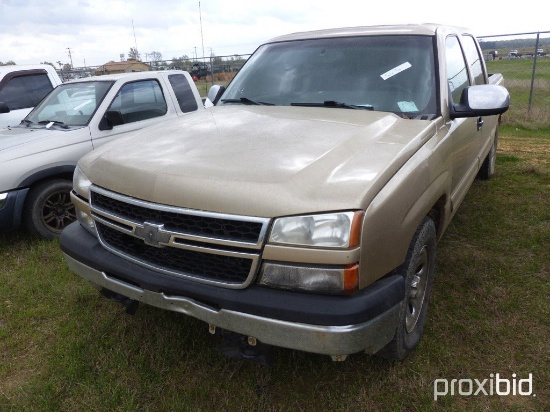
{"points": [[332, 325], [11, 209]]}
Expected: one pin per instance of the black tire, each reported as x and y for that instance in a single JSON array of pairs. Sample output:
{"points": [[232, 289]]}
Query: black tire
{"points": [[48, 208], [488, 167], [418, 271]]}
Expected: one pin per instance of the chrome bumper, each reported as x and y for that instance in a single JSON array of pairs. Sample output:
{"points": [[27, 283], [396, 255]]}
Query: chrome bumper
{"points": [[369, 336]]}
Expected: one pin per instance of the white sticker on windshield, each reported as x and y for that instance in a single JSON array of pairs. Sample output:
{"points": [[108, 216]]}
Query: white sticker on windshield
{"points": [[407, 106], [395, 70]]}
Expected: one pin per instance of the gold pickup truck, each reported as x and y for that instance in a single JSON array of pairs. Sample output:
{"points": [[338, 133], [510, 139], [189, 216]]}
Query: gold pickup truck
{"points": [[303, 208]]}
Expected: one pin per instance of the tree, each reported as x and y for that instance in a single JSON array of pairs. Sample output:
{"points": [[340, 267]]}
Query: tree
{"points": [[8, 63], [154, 56], [51, 64], [134, 54], [181, 63]]}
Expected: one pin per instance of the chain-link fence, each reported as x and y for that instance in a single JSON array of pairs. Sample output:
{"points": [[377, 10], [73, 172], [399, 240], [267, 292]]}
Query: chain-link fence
{"points": [[524, 60], [205, 70], [217, 67]]}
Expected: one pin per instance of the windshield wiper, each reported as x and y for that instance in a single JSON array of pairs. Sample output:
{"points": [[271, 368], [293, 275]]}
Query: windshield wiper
{"points": [[56, 122], [332, 103], [246, 100]]}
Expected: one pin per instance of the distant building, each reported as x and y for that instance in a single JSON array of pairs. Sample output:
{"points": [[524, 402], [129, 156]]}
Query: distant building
{"points": [[130, 65]]}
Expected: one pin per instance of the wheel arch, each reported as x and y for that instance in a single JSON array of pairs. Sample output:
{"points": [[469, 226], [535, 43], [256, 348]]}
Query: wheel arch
{"points": [[52, 173], [390, 226], [55, 172]]}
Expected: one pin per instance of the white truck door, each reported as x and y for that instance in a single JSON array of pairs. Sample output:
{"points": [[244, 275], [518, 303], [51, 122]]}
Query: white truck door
{"points": [[136, 105]]}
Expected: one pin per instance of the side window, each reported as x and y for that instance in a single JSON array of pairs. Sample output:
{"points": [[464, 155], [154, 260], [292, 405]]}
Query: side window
{"points": [[22, 92], [474, 59], [457, 75], [184, 94], [140, 100]]}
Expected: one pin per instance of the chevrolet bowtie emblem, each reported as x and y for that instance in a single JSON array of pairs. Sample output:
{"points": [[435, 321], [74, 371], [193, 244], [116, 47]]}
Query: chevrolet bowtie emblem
{"points": [[152, 234]]}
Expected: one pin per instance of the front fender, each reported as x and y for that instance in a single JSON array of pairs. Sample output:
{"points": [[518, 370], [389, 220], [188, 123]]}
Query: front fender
{"points": [[393, 216]]}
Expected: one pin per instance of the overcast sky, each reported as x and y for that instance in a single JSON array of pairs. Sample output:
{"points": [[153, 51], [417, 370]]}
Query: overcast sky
{"points": [[97, 31]]}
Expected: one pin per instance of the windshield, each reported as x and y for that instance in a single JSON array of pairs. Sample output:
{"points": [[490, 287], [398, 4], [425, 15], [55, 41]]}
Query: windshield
{"points": [[70, 104], [385, 73]]}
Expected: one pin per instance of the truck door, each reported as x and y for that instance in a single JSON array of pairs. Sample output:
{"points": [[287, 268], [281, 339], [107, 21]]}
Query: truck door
{"points": [[466, 139], [136, 105]]}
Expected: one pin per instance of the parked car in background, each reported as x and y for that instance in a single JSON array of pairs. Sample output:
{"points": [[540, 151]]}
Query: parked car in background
{"points": [[200, 70], [39, 155], [21, 88]]}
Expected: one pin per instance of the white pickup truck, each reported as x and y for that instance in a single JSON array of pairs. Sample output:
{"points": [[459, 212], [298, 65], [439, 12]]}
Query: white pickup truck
{"points": [[22, 88], [39, 155]]}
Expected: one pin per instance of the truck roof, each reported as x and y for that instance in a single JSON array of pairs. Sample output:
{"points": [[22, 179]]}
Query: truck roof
{"points": [[17, 67], [427, 29], [131, 75]]}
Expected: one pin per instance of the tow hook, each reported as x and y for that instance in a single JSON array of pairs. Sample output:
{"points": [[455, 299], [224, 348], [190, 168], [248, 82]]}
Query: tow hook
{"points": [[131, 305], [237, 346]]}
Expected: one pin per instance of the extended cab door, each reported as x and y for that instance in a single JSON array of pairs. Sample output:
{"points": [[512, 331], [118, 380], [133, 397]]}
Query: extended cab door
{"points": [[468, 134], [137, 104]]}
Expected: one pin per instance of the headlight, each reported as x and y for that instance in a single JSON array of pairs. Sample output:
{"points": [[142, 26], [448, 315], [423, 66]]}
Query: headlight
{"points": [[3, 197], [81, 185], [337, 230]]}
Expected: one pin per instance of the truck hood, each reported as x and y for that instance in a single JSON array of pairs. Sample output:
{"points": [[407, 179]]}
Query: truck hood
{"points": [[260, 160], [20, 135], [19, 141]]}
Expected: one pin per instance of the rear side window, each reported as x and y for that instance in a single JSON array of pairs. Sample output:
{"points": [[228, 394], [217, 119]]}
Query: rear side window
{"points": [[184, 94], [474, 59], [25, 91]]}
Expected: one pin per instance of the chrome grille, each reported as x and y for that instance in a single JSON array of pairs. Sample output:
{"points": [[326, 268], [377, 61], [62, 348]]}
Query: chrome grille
{"points": [[205, 265], [216, 227], [203, 246]]}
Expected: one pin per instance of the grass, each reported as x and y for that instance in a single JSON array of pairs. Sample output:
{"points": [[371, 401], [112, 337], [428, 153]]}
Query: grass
{"points": [[528, 110], [65, 348], [204, 84]]}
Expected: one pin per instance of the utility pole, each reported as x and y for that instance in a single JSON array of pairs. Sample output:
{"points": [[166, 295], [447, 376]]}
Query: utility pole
{"points": [[70, 57], [135, 40], [202, 38]]}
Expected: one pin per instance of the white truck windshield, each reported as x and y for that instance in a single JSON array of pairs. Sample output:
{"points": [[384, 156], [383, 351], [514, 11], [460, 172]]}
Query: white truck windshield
{"points": [[70, 104]]}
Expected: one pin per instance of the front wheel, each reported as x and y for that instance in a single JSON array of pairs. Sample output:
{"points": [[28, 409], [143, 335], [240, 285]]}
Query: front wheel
{"points": [[48, 208], [418, 271]]}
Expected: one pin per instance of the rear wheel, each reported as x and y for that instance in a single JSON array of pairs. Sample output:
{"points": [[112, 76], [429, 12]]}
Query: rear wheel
{"points": [[418, 271], [48, 208]]}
